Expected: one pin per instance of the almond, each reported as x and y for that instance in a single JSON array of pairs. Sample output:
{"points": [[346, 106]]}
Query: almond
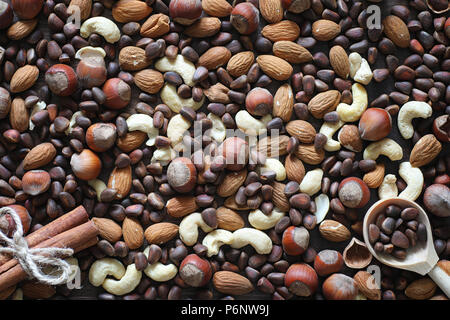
{"points": [[180, 206], [214, 58], [325, 30], [302, 130], [291, 52], [240, 63], [350, 138], [279, 199], [133, 234], [18, 115], [149, 80], [131, 141], [273, 146], [271, 10], [39, 156], [374, 178], [133, 59], [283, 102], [339, 61], [420, 289], [334, 231], [397, 31], [230, 203], [130, 10], [108, 229], [21, 29], [231, 183], [120, 180], [84, 6], [203, 27], [295, 170], [24, 78], [324, 102], [37, 290], [160, 233], [283, 30], [217, 8], [367, 285], [308, 154], [217, 93], [274, 67], [228, 219], [232, 283], [425, 150], [155, 26]]}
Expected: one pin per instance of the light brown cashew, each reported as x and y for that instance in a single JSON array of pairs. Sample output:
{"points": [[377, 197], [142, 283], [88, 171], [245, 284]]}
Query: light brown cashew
{"points": [[102, 268], [409, 111], [387, 147], [189, 228], [261, 221], [215, 239], [414, 180], [254, 237], [126, 284], [102, 26]]}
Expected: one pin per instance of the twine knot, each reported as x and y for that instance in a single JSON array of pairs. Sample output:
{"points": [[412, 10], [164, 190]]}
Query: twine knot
{"points": [[33, 260]]}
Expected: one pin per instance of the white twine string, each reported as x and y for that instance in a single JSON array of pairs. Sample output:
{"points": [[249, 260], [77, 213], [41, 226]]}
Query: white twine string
{"points": [[33, 260]]}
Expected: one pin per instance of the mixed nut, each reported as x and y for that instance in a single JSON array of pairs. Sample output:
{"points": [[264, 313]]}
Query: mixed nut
{"points": [[226, 148]]}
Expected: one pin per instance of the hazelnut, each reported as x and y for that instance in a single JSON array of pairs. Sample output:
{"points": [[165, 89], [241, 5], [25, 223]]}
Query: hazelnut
{"points": [[185, 12], [235, 151], [27, 9], [91, 70], [6, 14], [86, 165], [374, 124], [301, 280], [117, 92], [182, 175], [61, 79], [296, 6], [7, 224], [101, 136], [328, 262], [195, 271], [259, 102], [353, 192], [295, 240], [339, 287], [35, 182], [5, 101], [245, 18], [441, 128]]}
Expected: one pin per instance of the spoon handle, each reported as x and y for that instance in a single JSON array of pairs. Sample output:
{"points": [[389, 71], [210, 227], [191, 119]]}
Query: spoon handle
{"points": [[441, 278]]}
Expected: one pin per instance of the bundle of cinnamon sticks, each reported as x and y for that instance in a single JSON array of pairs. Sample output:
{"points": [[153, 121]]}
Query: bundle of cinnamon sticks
{"points": [[71, 230]]}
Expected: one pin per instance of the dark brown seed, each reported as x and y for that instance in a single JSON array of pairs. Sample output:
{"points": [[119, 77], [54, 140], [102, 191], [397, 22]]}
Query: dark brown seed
{"points": [[400, 240], [374, 233], [409, 213]]}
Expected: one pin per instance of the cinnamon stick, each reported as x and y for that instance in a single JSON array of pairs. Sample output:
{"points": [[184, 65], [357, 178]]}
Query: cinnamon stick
{"points": [[66, 222], [75, 238]]}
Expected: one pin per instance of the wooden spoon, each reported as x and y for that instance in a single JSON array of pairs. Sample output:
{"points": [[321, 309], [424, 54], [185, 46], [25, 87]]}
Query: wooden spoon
{"points": [[422, 258]]}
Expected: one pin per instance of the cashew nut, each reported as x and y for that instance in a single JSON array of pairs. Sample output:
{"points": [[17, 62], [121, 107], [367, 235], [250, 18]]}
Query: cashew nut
{"points": [[276, 166], [102, 26], [163, 155], [359, 68], [218, 130], [312, 182], [261, 221], [98, 186], [250, 125], [170, 97], [189, 228], [176, 128], [158, 271], [215, 239], [409, 111], [41, 105], [387, 147], [254, 237], [414, 180], [180, 65], [329, 129], [102, 268], [143, 122], [73, 121], [351, 113], [126, 284], [322, 207], [388, 188]]}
